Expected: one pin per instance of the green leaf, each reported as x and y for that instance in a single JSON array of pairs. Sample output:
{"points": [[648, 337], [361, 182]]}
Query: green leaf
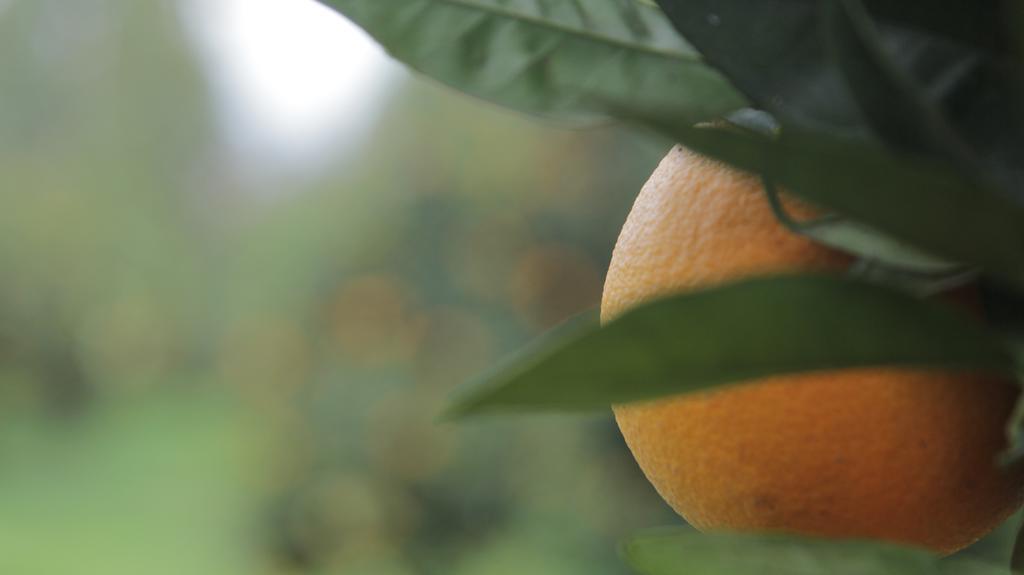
{"points": [[890, 100], [786, 69], [566, 59], [981, 128], [935, 92], [919, 202], [731, 333], [1017, 557], [1014, 452], [685, 552], [977, 24], [988, 114], [1004, 310], [867, 244], [782, 68]]}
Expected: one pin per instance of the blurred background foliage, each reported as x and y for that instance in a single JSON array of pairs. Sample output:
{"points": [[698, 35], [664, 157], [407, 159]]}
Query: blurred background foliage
{"points": [[211, 366], [207, 366]]}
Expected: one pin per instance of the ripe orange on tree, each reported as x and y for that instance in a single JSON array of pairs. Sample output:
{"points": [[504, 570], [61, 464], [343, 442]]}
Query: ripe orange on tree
{"points": [[906, 455]]}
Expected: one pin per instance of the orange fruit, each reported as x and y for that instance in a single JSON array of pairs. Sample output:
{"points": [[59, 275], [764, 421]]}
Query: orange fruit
{"points": [[896, 454]]}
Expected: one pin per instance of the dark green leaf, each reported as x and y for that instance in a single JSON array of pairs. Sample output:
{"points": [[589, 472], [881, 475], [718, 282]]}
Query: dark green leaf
{"points": [[1004, 308], [880, 258], [685, 552], [1017, 558], [785, 68], [865, 243], [981, 129], [986, 109], [977, 24], [772, 51], [735, 332], [890, 100], [948, 96], [918, 202], [566, 59], [916, 283], [1014, 453]]}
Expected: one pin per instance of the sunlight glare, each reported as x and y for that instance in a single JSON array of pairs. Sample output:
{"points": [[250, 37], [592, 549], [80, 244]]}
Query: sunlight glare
{"points": [[292, 75]]}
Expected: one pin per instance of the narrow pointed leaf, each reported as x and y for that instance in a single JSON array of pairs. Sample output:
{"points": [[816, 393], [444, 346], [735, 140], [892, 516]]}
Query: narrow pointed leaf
{"points": [[864, 242], [566, 59], [736, 332], [1017, 556], [685, 552], [1014, 452], [917, 201]]}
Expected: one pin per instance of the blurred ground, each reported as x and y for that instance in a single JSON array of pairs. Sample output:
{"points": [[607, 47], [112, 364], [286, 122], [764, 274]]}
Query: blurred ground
{"points": [[211, 365]]}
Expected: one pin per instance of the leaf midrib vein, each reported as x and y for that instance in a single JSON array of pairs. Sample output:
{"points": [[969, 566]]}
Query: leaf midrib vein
{"points": [[579, 32]]}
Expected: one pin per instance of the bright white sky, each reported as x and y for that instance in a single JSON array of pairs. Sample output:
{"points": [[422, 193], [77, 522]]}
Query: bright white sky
{"points": [[295, 82]]}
